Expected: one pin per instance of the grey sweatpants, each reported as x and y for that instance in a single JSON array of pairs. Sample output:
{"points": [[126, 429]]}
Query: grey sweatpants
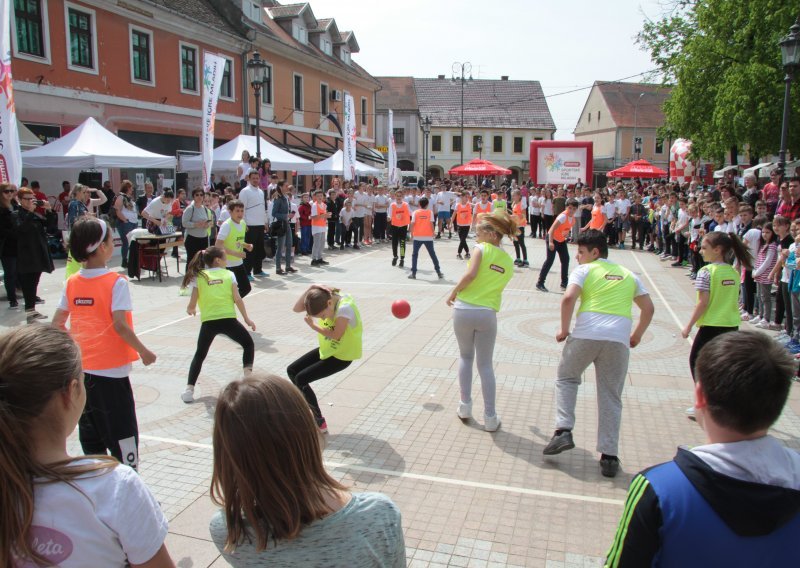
{"points": [[318, 246], [610, 360], [476, 331]]}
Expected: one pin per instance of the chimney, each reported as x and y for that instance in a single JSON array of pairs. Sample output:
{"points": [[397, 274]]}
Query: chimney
{"points": [[440, 77], [504, 77]]}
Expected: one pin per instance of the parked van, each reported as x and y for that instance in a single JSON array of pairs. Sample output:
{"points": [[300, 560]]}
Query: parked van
{"points": [[407, 179]]}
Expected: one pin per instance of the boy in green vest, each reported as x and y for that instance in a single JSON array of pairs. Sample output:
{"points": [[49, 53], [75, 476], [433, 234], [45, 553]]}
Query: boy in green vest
{"points": [[607, 292], [231, 240]]}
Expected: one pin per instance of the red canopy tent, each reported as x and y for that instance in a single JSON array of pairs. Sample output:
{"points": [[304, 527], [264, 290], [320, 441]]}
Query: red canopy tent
{"points": [[479, 168], [637, 169]]}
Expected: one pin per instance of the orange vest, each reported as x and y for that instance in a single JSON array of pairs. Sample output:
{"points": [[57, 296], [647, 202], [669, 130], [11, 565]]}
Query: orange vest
{"points": [[423, 223], [401, 215], [479, 209], [464, 214], [520, 214], [321, 221], [561, 232], [92, 324], [598, 217]]}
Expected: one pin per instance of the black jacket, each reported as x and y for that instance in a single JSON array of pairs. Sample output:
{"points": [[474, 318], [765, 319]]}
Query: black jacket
{"points": [[33, 254], [8, 232]]}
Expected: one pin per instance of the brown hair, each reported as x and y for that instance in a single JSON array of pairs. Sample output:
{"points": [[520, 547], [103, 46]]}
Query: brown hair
{"points": [[38, 363], [317, 298], [24, 191], [85, 232], [499, 222], [268, 474], [729, 242], [203, 259], [234, 203], [125, 185]]}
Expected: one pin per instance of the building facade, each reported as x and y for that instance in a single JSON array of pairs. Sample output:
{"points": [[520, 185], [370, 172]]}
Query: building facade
{"points": [[500, 119], [398, 95]]}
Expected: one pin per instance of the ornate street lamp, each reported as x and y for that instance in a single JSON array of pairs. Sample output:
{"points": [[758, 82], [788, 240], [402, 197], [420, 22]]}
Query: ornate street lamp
{"points": [[460, 72], [790, 58], [257, 73], [426, 130], [637, 144]]}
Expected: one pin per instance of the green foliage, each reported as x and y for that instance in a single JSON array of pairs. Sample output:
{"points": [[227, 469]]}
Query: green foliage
{"points": [[723, 58]]}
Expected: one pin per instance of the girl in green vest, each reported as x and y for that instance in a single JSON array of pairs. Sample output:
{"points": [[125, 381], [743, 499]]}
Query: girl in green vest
{"points": [[476, 299], [215, 290], [339, 333], [717, 285]]}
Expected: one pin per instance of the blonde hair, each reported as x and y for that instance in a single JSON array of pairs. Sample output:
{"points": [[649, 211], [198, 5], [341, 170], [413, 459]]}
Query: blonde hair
{"points": [[499, 222]]}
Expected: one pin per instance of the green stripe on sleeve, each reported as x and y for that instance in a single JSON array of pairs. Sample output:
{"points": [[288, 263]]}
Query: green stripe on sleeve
{"points": [[637, 489]]}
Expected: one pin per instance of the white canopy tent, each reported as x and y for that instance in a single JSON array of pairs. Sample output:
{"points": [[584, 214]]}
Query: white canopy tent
{"points": [[228, 156], [334, 166], [91, 146], [721, 173], [756, 170], [27, 139], [789, 169]]}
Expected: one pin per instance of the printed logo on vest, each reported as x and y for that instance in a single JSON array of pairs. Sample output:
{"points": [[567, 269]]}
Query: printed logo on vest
{"points": [[83, 301], [729, 282], [213, 282], [497, 268], [613, 277], [54, 545]]}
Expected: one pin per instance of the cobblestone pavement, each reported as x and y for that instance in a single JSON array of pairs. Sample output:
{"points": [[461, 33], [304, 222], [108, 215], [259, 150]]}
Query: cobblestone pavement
{"points": [[468, 497]]}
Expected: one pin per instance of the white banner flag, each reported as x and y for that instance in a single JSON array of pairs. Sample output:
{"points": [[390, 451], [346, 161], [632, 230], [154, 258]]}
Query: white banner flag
{"points": [[394, 175], [213, 67], [349, 160], [10, 155]]}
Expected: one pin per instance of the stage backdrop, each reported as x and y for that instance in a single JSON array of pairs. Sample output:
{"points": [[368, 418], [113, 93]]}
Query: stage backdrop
{"points": [[561, 162]]}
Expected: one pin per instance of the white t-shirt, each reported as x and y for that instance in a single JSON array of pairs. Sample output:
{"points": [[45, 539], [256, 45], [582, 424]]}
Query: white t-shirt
{"points": [[622, 205], [593, 325], [224, 231], [157, 209], [224, 215], [360, 203], [255, 212], [108, 519], [381, 203], [120, 302], [546, 205], [315, 230], [610, 210], [413, 202], [444, 200]]}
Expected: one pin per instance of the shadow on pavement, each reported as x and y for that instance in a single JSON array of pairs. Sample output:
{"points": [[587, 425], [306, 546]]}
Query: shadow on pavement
{"points": [[364, 451]]}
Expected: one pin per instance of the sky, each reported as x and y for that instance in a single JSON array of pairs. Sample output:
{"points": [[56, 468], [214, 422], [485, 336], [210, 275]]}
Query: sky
{"points": [[563, 44]]}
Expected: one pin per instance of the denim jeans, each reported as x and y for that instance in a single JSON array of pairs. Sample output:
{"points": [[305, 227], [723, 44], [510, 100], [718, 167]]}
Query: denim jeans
{"points": [[284, 247], [415, 254], [123, 228]]}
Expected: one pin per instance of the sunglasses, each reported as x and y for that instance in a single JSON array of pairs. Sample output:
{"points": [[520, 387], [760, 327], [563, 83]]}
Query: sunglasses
{"points": [[26, 198], [8, 191]]}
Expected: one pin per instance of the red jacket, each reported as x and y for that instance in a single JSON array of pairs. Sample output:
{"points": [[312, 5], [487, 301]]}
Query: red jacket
{"points": [[304, 209]]}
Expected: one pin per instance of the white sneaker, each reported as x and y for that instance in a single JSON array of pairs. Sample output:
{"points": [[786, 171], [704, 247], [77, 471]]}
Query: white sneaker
{"points": [[464, 410], [188, 395], [690, 412], [491, 423], [756, 320], [763, 324]]}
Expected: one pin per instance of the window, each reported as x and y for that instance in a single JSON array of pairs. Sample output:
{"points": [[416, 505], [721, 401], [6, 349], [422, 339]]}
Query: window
{"points": [[497, 144], [538, 138], [300, 33], [518, 141], [659, 145], [589, 117], [81, 38], [189, 68], [141, 54], [598, 116], [326, 46], [399, 135], [323, 99], [456, 143], [363, 111], [477, 143], [344, 55], [226, 91], [436, 143], [298, 92], [30, 32], [252, 10], [266, 86]]}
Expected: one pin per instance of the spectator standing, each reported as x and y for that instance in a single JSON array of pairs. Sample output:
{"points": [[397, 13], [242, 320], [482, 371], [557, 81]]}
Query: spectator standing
{"points": [[33, 254], [255, 217]]}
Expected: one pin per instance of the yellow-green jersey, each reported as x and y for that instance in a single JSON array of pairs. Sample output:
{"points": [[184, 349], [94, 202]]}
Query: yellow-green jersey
{"points": [[348, 348], [73, 266], [494, 273], [215, 294], [723, 289], [232, 236]]}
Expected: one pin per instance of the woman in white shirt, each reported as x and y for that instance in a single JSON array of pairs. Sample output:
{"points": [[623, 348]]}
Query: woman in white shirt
{"points": [[546, 204], [59, 510]]}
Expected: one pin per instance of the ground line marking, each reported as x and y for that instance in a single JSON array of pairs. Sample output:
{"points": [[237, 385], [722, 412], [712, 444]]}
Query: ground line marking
{"points": [[423, 477]]}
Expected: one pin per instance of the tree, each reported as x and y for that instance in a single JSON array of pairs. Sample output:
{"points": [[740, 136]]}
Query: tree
{"points": [[723, 60]]}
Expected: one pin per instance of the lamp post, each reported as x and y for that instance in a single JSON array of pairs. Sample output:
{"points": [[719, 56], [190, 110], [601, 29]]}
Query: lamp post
{"points": [[636, 146], [460, 71], [257, 72], [426, 130], [790, 58]]}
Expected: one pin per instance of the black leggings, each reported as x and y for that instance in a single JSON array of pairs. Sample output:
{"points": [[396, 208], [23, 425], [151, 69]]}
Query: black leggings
{"points": [[108, 423], [399, 238], [29, 282], [519, 244], [10, 277], [704, 334], [463, 232], [563, 256], [310, 368], [547, 220], [230, 327], [537, 225]]}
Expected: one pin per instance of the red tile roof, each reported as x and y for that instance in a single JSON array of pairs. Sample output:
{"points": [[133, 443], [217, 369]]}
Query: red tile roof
{"points": [[621, 99]]}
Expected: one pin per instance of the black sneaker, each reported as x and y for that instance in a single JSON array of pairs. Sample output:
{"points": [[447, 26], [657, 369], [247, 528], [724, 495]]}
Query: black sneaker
{"points": [[541, 288], [402, 262], [559, 443], [323, 262], [394, 261], [356, 247], [341, 247], [517, 262], [609, 466], [563, 286], [412, 276], [39, 300], [13, 305], [314, 262], [441, 275]]}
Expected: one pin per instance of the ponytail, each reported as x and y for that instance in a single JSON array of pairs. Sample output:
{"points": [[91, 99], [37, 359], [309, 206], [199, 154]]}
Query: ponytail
{"points": [[202, 260], [730, 243], [499, 222], [317, 297]]}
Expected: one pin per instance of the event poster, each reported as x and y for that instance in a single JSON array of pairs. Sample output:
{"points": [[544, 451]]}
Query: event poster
{"points": [[349, 158], [561, 162], [394, 176], [10, 153], [213, 67]]}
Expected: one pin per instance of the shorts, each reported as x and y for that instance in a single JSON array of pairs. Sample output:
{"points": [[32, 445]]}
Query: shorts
{"points": [[623, 225], [443, 215]]}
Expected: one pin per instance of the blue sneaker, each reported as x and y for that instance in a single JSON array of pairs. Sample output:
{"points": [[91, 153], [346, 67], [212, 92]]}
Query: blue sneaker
{"points": [[793, 347], [251, 278]]}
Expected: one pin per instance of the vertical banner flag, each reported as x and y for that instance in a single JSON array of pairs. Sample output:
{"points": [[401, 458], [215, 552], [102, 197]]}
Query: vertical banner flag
{"points": [[213, 67], [349, 161], [394, 177], [10, 154]]}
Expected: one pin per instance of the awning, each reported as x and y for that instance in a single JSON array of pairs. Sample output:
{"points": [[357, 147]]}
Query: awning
{"points": [[756, 169], [27, 139], [334, 165], [637, 169], [228, 156], [479, 168], [721, 173]]}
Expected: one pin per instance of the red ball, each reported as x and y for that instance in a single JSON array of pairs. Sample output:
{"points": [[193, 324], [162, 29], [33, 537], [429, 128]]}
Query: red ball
{"points": [[401, 309]]}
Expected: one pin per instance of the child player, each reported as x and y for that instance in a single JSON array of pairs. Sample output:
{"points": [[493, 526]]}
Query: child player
{"points": [[231, 240], [400, 216]]}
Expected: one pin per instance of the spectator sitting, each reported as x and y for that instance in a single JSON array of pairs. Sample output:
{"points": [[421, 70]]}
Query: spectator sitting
{"points": [[736, 500], [283, 509]]}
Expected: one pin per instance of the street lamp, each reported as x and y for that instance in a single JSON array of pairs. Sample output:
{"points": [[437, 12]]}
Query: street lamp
{"points": [[637, 146], [460, 71], [426, 130], [790, 57], [257, 73]]}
